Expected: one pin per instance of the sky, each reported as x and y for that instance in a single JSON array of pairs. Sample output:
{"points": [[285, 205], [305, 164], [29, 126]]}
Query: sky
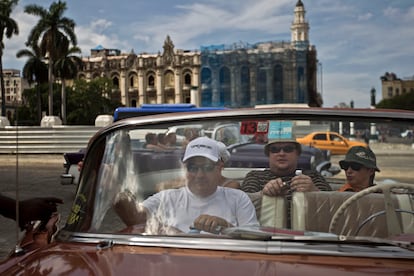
{"points": [[357, 40]]}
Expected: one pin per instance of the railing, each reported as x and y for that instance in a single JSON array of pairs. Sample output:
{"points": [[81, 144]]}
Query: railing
{"points": [[57, 139]]}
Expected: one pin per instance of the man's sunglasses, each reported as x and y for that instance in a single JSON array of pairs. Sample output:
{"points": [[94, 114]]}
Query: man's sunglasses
{"points": [[192, 168], [354, 166], [277, 149]]}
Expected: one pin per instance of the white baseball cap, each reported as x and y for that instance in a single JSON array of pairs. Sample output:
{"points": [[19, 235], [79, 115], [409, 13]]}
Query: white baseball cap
{"points": [[204, 147]]}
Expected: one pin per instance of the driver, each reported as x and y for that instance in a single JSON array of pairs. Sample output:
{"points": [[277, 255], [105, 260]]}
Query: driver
{"points": [[360, 165], [201, 205]]}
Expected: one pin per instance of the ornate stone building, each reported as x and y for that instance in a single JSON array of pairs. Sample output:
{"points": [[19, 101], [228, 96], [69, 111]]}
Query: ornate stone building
{"points": [[217, 75], [393, 86]]}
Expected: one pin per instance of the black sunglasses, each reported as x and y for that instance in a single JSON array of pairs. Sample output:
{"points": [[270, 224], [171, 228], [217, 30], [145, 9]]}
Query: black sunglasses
{"points": [[354, 166], [277, 149], [192, 168]]}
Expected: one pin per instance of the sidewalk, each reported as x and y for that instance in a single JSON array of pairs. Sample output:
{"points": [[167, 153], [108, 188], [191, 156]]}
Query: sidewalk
{"points": [[12, 159], [392, 149]]}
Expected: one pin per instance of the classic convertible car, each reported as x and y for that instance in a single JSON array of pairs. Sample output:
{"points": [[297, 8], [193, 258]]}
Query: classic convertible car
{"points": [[312, 233]]}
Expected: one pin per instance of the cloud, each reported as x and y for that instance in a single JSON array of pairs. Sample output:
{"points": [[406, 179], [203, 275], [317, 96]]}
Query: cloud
{"points": [[16, 43]]}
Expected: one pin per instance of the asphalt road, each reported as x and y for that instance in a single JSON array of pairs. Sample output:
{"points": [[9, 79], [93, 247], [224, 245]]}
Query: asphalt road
{"points": [[38, 176]]}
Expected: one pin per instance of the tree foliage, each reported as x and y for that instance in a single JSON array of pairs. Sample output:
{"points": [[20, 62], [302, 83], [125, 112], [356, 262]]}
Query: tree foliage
{"points": [[87, 100], [53, 33], [8, 28], [404, 101]]}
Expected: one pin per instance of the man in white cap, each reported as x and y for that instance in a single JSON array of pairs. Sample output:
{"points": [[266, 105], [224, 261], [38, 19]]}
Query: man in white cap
{"points": [[201, 204]]}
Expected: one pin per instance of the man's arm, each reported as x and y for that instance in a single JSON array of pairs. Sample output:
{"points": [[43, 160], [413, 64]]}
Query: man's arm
{"points": [[131, 212]]}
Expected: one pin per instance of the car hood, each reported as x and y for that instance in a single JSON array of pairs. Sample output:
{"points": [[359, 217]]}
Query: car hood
{"points": [[88, 259]]}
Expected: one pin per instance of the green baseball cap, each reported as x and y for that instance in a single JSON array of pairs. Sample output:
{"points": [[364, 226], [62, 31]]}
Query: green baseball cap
{"points": [[361, 155]]}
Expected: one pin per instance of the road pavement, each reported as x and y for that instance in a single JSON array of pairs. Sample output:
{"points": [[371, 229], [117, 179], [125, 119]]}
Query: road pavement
{"points": [[37, 176]]}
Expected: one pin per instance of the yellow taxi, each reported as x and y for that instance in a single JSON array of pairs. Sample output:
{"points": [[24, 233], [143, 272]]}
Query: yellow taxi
{"points": [[328, 140]]}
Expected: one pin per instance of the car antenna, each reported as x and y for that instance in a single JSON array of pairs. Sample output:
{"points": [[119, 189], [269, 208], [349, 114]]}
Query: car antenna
{"points": [[17, 249]]}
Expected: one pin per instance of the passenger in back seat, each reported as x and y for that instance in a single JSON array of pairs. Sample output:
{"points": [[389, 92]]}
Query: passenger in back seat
{"points": [[282, 178], [360, 165]]}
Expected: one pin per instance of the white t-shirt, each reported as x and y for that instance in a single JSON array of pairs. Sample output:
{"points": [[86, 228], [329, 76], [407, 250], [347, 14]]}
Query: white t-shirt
{"points": [[180, 207]]}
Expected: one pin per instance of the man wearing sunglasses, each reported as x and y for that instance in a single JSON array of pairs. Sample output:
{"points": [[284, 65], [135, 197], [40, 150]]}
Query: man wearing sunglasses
{"points": [[282, 177], [202, 204], [360, 165]]}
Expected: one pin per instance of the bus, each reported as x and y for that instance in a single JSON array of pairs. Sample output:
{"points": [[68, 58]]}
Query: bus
{"points": [[152, 109]]}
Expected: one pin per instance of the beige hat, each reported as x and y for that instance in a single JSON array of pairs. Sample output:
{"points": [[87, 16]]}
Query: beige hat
{"points": [[281, 131]]}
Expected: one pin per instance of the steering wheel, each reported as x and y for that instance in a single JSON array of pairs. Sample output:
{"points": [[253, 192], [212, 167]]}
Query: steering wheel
{"points": [[393, 225]]}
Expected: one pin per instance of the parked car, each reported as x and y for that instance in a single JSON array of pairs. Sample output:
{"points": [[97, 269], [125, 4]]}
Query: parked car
{"points": [[312, 233], [407, 134], [328, 140]]}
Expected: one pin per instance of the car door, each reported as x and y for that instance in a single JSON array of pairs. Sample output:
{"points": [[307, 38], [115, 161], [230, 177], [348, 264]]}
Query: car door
{"points": [[320, 140], [338, 144]]}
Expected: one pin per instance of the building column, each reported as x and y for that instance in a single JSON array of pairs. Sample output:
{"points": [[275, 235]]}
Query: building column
{"points": [[178, 85], [159, 87], [253, 86], [123, 87], [235, 86], [215, 97], [141, 89], [270, 95]]}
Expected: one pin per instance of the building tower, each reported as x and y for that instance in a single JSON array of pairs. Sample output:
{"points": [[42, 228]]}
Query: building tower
{"points": [[300, 28]]}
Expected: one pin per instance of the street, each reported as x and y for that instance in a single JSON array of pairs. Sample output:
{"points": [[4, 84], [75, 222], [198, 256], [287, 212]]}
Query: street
{"points": [[38, 176]]}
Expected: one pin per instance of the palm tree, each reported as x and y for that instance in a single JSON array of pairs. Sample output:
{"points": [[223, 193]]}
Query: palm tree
{"points": [[51, 32], [67, 67], [8, 27], [34, 70]]}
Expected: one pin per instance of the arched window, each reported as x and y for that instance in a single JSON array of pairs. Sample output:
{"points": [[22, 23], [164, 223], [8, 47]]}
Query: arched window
{"points": [[151, 81], [187, 79], [206, 90], [115, 81]]}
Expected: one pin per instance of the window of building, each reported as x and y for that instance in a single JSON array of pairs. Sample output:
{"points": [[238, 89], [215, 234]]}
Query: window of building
{"points": [[151, 81], [187, 79], [390, 91], [115, 82]]}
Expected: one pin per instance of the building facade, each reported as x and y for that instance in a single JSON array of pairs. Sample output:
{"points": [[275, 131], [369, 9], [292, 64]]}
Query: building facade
{"points": [[393, 86], [217, 75], [14, 85]]}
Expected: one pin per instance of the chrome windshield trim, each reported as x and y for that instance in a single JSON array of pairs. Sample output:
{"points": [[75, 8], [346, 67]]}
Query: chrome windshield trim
{"points": [[324, 246]]}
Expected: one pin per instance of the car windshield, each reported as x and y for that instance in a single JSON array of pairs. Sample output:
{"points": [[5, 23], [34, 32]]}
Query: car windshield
{"points": [[138, 178]]}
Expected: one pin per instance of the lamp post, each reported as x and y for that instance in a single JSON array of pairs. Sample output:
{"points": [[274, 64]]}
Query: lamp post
{"points": [[373, 137], [351, 124]]}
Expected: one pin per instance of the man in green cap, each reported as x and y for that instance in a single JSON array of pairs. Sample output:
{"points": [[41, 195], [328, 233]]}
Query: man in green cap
{"points": [[360, 165]]}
